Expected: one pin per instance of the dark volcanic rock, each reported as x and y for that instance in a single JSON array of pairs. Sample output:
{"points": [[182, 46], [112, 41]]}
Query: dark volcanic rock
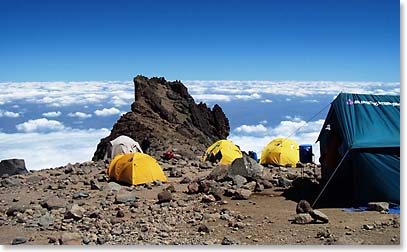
{"points": [[303, 207], [12, 167], [164, 111]]}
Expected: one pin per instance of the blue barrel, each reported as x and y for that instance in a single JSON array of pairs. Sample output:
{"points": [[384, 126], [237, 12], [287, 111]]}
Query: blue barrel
{"points": [[305, 153]]}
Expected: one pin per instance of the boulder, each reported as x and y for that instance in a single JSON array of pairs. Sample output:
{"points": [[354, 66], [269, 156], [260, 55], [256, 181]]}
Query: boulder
{"points": [[53, 202], [239, 181], [124, 197], [250, 186], [242, 194], [12, 167], [378, 206], [164, 196], [219, 173], [246, 167], [318, 215], [303, 207], [74, 212], [303, 218], [193, 187], [19, 240], [70, 239]]}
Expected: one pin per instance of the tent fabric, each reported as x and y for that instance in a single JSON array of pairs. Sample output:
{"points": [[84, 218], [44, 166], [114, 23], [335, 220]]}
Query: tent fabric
{"points": [[280, 151], [135, 168], [122, 145], [367, 127], [223, 151], [367, 121]]}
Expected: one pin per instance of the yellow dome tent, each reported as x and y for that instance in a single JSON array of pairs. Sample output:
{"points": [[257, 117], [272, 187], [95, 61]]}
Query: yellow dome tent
{"points": [[135, 168], [223, 151], [280, 151]]}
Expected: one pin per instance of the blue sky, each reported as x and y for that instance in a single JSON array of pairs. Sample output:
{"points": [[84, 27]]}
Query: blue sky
{"points": [[200, 40]]}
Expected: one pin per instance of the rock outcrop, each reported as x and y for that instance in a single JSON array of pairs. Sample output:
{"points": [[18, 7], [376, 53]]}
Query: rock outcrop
{"points": [[165, 114]]}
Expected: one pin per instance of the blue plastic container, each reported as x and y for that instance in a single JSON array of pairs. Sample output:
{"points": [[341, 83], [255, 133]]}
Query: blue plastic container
{"points": [[305, 153]]}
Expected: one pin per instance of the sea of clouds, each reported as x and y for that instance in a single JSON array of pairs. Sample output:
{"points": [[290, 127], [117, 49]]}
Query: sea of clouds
{"points": [[50, 124]]}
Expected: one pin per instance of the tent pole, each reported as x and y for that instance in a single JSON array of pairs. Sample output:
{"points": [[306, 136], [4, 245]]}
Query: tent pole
{"points": [[330, 178]]}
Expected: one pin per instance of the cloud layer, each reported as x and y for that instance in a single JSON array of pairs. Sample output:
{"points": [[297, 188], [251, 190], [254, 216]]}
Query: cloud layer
{"points": [[53, 149]]}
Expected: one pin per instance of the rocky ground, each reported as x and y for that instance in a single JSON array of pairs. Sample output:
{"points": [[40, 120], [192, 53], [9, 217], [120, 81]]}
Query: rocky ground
{"points": [[201, 204]]}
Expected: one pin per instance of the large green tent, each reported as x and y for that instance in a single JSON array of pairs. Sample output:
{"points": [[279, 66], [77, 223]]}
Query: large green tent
{"points": [[360, 149]]}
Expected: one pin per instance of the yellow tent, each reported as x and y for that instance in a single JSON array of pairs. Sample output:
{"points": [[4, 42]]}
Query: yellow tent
{"points": [[280, 151], [135, 168], [223, 151]]}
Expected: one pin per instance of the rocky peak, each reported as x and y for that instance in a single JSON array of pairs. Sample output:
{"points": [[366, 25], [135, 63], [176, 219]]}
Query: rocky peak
{"points": [[165, 113]]}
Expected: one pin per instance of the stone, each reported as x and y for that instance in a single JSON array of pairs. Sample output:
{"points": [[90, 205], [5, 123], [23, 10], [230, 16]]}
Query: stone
{"points": [[265, 183], [208, 199], [170, 188], [75, 212], [13, 210], [303, 218], [259, 187], [112, 186], [53, 202], [203, 228], [124, 197], [318, 215], [216, 191], [94, 185], [378, 206], [292, 176], [242, 194], [120, 214], [81, 194], [164, 196], [10, 182], [250, 186], [205, 165], [175, 172], [70, 239], [193, 188], [239, 181], [303, 207], [186, 180], [46, 220], [34, 179], [246, 167], [284, 182], [12, 167], [219, 173], [19, 240], [227, 240]]}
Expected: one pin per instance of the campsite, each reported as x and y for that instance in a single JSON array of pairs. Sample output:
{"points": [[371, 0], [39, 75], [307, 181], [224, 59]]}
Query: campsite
{"points": [[175, 179]]}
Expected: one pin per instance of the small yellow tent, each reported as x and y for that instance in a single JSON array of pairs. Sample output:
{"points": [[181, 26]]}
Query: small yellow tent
{"points": [[223, 151], [135, 168], [280, 151]]}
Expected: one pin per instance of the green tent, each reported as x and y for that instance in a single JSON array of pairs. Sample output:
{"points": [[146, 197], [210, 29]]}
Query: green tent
{"points": [[360, 149]]}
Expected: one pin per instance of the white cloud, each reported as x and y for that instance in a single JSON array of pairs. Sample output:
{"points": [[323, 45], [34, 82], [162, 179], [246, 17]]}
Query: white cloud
{"points": [[211, 97], [248, 97], [80, 115], [251, 128], [40, 125], [46, 150], [9, 114], [266, 101], [107, 112], [263, 122], [52, 114]]}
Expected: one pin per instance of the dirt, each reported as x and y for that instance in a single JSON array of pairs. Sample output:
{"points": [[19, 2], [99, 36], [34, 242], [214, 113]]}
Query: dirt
{"points": [[264, 219]]}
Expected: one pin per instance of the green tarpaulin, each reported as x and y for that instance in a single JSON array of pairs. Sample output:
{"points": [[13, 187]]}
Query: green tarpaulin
{"points": [[362, 131]]}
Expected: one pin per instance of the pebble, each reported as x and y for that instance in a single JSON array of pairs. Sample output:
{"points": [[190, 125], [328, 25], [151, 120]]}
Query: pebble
{"points": [[19, 240]]}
